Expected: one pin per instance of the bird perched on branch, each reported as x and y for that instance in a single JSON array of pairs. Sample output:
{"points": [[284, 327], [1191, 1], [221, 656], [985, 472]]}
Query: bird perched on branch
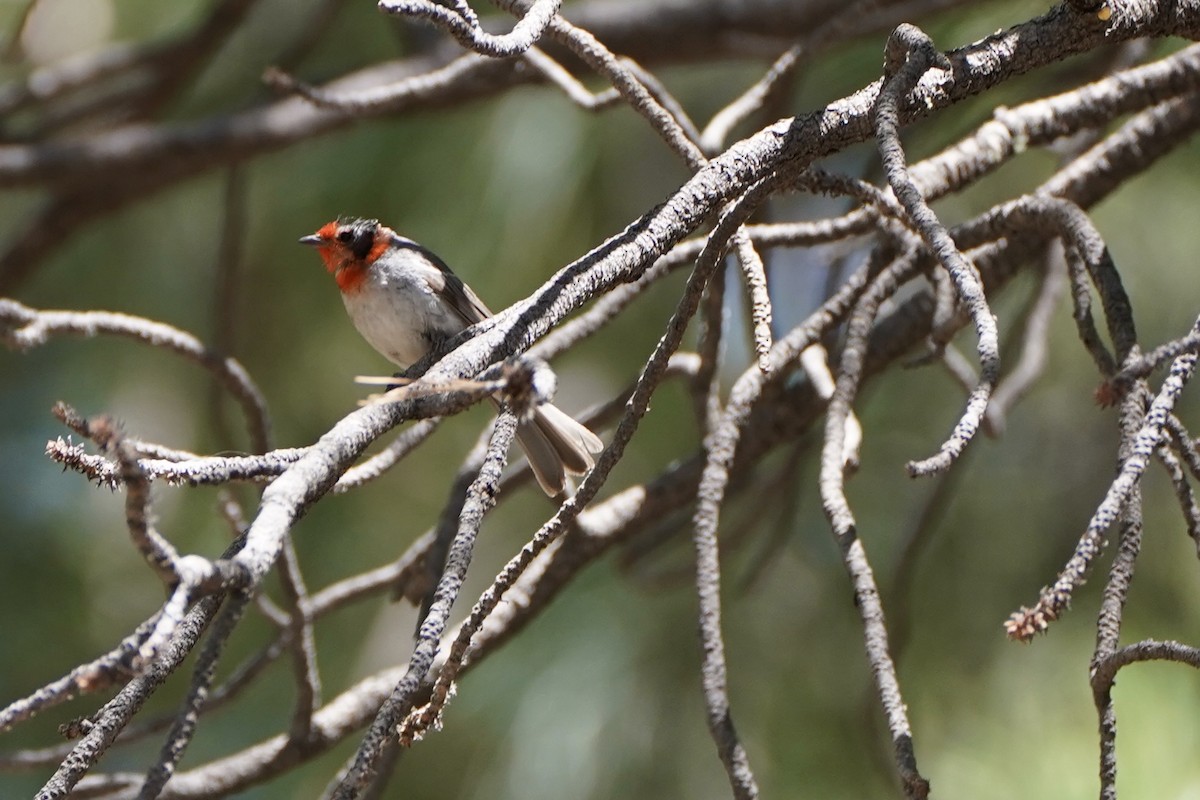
{"points": [[404, 300]]}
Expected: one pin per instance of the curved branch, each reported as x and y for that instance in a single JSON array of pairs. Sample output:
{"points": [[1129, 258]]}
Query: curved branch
{"points": [[23, 328]]}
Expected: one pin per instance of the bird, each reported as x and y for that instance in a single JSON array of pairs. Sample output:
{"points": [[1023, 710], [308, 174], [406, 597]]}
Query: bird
{"points": [[404, 301]]}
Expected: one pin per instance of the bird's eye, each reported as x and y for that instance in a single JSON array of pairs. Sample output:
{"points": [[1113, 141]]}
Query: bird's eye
{"points": [[345, 236]]}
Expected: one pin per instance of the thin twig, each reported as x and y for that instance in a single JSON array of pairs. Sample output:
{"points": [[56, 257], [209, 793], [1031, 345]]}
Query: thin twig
{"points": [[480, 499], [909, 42], [462, 24], [1026, 623], [23, 328]]}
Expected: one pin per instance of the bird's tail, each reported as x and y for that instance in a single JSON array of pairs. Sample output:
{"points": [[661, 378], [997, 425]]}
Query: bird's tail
{"points": [[556, 445]]}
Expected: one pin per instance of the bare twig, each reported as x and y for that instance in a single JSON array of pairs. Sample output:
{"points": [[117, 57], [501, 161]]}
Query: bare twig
{"points": [[23, 328], [480, 498], [908, 41], [1027, 622], [463, 25]]}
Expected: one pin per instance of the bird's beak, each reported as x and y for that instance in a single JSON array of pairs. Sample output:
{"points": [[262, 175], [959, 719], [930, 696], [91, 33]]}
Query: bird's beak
{"points": [[312, 239]]}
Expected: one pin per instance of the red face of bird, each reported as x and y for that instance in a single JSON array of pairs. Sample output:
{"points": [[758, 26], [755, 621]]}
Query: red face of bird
{"points": [[349, 247]]}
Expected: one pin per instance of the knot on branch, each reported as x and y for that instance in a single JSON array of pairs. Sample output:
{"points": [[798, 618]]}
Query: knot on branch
{"points": [[1100, 8], [527, 383]]}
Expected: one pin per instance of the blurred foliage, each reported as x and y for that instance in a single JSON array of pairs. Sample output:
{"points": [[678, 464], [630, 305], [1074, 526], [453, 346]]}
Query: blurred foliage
{"points": [[600, 697]]}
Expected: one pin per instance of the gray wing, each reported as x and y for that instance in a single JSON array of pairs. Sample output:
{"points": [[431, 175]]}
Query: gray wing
{"points": [[462, 299]]}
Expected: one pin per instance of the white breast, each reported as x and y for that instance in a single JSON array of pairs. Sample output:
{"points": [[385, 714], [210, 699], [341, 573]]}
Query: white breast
{"points": [[396, 310]]}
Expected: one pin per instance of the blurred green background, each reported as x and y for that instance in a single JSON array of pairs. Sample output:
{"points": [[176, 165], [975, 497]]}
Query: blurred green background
{"points": [[600, 696]]}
